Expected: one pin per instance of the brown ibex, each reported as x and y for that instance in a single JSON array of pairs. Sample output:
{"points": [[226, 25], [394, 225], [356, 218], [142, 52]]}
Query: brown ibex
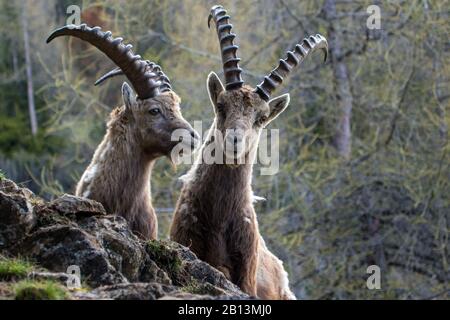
{"points": [[215, 216], [137, 133]]}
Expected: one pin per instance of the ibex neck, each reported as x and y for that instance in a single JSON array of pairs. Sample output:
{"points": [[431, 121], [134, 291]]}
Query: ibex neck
{"points": [[119, 175], [228, 178], [133, 167]]}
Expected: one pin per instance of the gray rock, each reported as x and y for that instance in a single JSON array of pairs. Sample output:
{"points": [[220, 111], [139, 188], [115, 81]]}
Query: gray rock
{"points": [[123, 249], [71, 205], [60, 277], [60, 246], [114, 263], [185, 269], [16, 213], [134, 291]]}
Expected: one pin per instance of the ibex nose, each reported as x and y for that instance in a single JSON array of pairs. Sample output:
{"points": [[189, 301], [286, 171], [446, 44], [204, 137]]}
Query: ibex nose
{"points": [[193, 135], [234, 137], [234, 142]]}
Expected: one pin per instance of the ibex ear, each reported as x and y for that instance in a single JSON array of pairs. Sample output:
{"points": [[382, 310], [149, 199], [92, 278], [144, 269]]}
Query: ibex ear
{"points": [[128, 96], [277, 106], [215, 87]]}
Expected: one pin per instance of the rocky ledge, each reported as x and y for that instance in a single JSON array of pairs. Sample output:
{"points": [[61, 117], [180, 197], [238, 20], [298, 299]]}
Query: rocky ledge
{"points": [[40, 240]]}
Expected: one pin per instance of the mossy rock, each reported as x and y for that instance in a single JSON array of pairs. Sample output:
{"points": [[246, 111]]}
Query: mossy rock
{"points": [[40, 290], [166, 257], [47, 217], [195, 287]]}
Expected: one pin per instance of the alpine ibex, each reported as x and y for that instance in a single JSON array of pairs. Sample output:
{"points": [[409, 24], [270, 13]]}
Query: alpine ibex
{"points": [[214, 215], [137, 133]]}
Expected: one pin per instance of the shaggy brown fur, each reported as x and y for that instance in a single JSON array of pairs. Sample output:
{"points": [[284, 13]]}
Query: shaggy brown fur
{"points": [[215, 215], [272, 279], [120, 171], [209, 218]]}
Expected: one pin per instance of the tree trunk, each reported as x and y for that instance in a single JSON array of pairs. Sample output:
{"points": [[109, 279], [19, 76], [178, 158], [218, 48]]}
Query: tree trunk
{"points": [[344, 98], [29, 70], [15, 61]]}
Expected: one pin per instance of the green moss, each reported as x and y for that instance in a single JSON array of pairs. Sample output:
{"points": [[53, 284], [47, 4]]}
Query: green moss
{"points": [[35, 201], [165, 257], [39, 290], [193, 287], [11, 269], [196, 287]]}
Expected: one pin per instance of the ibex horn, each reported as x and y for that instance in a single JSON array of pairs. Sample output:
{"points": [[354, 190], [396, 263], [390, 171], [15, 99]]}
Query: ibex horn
{"points": [[113, 73], [145, 83], [231, 69], [154, 68], [294, 59]]}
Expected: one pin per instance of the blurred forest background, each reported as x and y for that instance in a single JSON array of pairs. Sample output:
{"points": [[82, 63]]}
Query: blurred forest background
{"points": [[365, 162]]}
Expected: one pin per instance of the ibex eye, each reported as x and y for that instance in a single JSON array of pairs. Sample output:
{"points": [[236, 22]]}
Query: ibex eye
{"points": [[155, 112]]}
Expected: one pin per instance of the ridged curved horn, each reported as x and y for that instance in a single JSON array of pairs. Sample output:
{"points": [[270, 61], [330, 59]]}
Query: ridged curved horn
{"points": [[294, 59], [113, 73], [145, 83], [154, 68], [165, 81], [231, 69]]}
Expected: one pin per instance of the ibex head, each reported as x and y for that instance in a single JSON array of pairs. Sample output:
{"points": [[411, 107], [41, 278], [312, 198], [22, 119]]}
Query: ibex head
{"points": [[153, 114], [240, 108]]}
